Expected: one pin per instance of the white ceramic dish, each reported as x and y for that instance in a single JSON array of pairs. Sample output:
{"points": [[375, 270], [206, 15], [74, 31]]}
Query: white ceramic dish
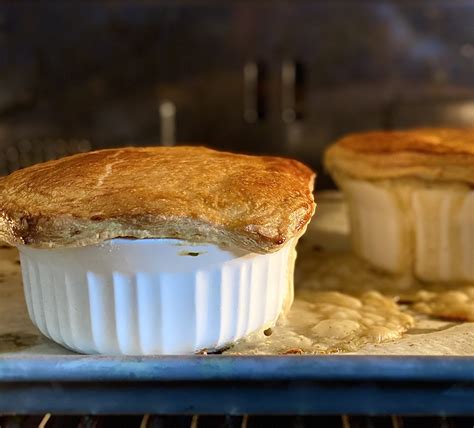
{"points": [[408, 227], [154, 296]]}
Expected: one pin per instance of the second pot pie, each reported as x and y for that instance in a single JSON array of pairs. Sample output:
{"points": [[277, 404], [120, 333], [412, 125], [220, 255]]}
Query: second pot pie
{"points": [[411, 199], [161, 250]]}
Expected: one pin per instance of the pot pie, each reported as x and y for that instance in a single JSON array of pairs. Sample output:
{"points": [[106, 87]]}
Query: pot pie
{"points": [[411, 200], [158, 250]]}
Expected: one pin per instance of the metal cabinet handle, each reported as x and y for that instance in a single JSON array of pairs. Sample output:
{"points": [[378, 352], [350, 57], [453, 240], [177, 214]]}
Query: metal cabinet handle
{"points": [[291, 91], [167, 123], [253, 92]]}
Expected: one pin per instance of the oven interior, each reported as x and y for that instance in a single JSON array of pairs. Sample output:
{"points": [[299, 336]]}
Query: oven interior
{"points": [[262, 77]]}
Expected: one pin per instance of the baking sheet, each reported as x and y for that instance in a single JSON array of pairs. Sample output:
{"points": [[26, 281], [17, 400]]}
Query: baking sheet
{"points": [[424, 373], [324, 260]]}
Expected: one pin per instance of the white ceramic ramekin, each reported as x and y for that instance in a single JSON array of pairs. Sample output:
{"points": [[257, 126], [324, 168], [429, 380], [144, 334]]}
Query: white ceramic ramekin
{"points": [[407, 227], [154, 296]]}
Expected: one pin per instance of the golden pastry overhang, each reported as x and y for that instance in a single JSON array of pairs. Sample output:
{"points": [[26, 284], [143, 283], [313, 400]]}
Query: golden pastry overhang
{"points": [[430, 154], [193, 193]]}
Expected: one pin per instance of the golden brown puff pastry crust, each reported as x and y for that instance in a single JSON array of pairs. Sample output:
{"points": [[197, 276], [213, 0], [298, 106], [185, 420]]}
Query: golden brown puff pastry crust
{"points": [[191, 193], [431, 154]]}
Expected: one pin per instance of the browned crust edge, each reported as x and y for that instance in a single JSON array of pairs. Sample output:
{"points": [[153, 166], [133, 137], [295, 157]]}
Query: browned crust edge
{"points": [[23, 224], [429, 154]]}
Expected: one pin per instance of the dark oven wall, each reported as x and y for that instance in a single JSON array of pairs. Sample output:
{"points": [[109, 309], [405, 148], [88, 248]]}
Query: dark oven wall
{"points": [[261, 77]]}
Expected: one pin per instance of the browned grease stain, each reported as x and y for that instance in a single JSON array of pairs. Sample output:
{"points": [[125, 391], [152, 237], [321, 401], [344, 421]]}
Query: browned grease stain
{"points": [[18, 341]]}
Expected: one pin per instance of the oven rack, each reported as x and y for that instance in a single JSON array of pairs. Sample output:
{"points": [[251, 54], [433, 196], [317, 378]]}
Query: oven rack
{"points": [[226, 421]]}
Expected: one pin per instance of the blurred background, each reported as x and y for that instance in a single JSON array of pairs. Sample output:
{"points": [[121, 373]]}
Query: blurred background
{"points": [[279, 77], [273, 77]]}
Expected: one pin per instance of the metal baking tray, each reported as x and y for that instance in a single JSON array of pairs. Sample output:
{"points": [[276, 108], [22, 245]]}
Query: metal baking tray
{"points": [[37, 376]]}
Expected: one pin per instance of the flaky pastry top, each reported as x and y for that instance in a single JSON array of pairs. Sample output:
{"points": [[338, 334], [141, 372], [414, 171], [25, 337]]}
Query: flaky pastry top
{"points": [[192, 193], [431, 154]]}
